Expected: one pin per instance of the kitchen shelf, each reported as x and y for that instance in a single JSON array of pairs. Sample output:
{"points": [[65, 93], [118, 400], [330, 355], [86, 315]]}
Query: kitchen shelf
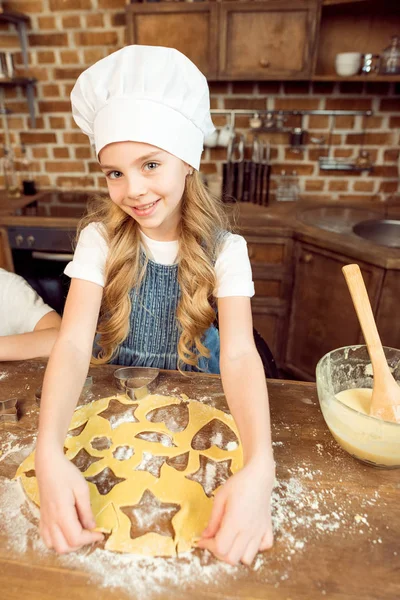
{"points": [[361, 78], [20, 21], [29, 84], [333, 2]]}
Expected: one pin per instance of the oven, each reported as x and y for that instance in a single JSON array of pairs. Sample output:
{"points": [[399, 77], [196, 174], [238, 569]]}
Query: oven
{"points": [[40, 255]]}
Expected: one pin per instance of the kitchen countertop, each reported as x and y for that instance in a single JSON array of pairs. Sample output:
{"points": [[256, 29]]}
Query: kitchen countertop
{"points": [[281, 219], [337, 521]]}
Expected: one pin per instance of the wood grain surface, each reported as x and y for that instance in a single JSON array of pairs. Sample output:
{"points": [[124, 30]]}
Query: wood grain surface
{"points": [[337, 522]]}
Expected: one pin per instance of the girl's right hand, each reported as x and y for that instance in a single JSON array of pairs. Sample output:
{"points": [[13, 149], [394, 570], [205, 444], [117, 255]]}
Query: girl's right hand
{"points": [[66, 517]]}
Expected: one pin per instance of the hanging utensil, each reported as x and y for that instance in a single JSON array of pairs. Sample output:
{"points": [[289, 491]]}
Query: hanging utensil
{"points": [[265, 174], [240, 168], [227, 172], [235, 175], [255, 159]]}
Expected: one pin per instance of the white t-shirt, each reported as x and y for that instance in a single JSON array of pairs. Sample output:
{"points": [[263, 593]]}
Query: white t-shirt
{"points": [[20, 306], [232, 267]]}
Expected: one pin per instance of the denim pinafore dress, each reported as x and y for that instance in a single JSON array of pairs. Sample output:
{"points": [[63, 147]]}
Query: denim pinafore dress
{"points": [[154, 332]]}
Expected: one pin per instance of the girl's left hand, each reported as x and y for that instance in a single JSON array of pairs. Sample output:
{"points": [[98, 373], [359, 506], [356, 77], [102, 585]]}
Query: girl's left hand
{"points": [[240, 523]]}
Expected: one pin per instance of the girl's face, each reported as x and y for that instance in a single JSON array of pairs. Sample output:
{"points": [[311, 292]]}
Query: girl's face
{"points": [[147, 183]]}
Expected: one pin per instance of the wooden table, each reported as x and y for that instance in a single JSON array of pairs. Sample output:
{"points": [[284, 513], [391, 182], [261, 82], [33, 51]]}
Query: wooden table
{"points": [[337, 521]]}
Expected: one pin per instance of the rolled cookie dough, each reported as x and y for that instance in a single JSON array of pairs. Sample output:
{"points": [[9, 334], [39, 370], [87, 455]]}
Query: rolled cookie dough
{"points": [[152, 468]]}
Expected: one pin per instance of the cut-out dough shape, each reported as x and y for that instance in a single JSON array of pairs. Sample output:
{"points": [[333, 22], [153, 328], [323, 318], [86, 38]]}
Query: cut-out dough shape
{"points": [[123, 452], [151, 515], [176, 418], [105, 481], [179, 462], [211, 474], [114, 415], [215, 433], [179, 477], [101, 443], [156, 438], [76, 431], [83, 460]]}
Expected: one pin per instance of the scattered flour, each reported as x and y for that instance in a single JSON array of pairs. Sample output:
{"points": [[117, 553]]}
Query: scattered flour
{"points": [[143, 577], [3, 375], [303, 510], [231, 446], [11, 446]]}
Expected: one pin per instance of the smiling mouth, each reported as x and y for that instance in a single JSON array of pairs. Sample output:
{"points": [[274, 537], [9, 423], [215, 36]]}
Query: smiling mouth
{"points": [[145, 206]]}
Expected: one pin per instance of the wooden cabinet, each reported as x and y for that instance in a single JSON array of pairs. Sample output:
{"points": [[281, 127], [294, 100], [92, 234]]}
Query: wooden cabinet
{"points": [[6, 261], [235, 40], [271, 261], [266, 40], [190, 28], [364, 27], [388, 316], [322, 314]]}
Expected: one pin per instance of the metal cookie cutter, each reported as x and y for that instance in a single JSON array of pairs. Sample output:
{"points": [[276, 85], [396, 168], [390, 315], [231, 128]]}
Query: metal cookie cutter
{"points": [[9, 410], [137, 382], [38, 392]]}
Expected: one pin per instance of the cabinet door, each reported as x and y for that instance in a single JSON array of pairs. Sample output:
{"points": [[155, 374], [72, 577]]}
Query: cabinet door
{"points": [[6, 261], [271, 259], [322, 315], [265, 40], [190, 28], [388, 320]]}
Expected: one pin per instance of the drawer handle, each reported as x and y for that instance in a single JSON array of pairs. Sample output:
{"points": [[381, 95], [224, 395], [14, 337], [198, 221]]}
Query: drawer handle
{"points": [[264, 63], [307, 258], [251, 251]]}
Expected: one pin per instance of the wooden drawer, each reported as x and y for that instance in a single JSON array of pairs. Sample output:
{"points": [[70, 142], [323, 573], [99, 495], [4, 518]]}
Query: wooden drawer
{"points": [[266, 254], [268, 288]]}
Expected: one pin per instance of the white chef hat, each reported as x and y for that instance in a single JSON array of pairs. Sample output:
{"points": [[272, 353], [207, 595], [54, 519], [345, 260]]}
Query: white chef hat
{"points": [[147, 94]]}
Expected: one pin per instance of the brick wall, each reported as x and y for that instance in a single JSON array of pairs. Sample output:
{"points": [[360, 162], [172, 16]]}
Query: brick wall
{"points": [[66, 36]]}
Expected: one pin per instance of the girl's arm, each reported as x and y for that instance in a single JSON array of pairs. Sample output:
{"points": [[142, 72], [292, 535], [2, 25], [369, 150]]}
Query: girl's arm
{"points": [[36, 343], [65, 508], [240, 523]]}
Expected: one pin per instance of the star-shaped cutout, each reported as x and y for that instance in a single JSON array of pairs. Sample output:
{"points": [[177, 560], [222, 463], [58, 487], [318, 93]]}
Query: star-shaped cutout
{"points": [[117, 413], [151, 515], [151, 463], [83, 460], [211, 474], [175, 416], [105, 481]]}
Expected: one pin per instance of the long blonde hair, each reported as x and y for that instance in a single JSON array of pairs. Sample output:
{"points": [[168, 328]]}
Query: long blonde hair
{"points": [[202, 222]]}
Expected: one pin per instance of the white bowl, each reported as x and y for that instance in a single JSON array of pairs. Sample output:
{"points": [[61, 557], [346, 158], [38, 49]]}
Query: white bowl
{"points": [[348, 63]]}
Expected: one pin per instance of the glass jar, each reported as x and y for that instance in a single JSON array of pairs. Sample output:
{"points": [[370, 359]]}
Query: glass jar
{"points": [[11, 180], [390, 58]]}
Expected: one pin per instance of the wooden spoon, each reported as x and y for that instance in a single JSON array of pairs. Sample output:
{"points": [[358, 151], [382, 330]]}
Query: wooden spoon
{"points": [[385, 403]]}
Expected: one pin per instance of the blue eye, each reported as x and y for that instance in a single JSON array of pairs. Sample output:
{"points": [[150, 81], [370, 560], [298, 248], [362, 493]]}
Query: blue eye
{"points": [[114, 175]]}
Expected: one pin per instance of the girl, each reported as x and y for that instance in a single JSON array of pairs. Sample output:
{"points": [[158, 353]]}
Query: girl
{"points": [[152, 267]]}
